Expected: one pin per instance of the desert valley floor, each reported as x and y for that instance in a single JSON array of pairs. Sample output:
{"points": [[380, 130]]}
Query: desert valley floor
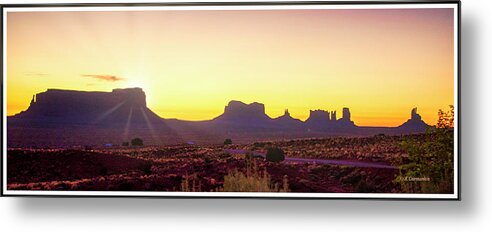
{"points": [[328, 165]]}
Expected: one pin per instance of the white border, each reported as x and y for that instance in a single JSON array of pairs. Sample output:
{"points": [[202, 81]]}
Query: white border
{"points": [[232, 194]]}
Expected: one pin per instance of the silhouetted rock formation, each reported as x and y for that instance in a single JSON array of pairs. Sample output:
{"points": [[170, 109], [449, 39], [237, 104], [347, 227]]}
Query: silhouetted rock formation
{"points": [[414, 124], [121, 106], [74, 118], [345, 121], [68, 118], [237, 112], [333, 116], [33, 100], [346, 114], [414, 115], [318, 120], [287, 121]]}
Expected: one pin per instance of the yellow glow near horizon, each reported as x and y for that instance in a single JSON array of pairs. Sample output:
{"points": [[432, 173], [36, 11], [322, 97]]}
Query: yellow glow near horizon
{"points": [[379, 63]]}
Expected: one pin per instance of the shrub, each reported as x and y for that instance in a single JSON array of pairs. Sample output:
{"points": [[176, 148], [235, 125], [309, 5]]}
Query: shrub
{"points": [[248, 156], [185, 183], [207, 159], [146, 167], [125, 144], [365, 186], [237, 181], [275, 154], [137, 142], [225, 155], [252, 181], [227, 141], [258, 145]]}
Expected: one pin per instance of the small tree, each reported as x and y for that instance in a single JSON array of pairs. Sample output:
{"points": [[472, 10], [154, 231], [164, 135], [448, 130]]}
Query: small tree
{"points": [[125, 144], [227, 141], [275, 154], [137, 142]]}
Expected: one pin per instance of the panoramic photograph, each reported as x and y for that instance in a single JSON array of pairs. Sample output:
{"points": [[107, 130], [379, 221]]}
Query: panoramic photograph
{"points": [[265, 101]]}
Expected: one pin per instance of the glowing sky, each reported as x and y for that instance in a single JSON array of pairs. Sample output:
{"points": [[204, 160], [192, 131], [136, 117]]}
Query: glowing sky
{"points": [[378, 62]]}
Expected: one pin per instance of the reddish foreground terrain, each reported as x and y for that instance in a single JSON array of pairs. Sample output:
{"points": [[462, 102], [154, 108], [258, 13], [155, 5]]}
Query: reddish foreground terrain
{"points": [[364, 164]]}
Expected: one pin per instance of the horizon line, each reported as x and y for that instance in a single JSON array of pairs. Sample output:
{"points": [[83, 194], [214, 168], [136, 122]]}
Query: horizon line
{"points": [[203, 120]]}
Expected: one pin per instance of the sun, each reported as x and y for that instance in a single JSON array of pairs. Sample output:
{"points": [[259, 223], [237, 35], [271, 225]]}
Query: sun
{"points": [[137, 80]]}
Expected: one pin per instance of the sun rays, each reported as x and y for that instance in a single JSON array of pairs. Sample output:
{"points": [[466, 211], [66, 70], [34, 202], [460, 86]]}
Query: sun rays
{"points": [[108, 112]]}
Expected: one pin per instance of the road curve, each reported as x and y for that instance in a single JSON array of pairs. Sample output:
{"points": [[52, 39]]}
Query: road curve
{"points": [[318, 161]]}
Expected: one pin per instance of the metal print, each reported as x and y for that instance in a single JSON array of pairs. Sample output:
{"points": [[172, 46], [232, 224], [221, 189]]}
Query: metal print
{"points": [[279, 99]]}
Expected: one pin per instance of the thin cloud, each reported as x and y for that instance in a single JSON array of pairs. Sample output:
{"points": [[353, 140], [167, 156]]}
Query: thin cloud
{"points": [[111, 78], [35, 74]]}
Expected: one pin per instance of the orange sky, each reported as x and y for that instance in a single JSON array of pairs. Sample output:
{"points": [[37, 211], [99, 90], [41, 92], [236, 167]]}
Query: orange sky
{"points": [[379, 63]]}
